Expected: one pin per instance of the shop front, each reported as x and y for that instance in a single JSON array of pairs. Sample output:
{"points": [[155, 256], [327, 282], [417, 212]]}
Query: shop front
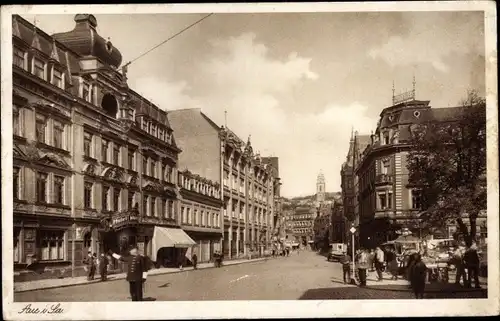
{"points": [[206, 243], [171, 247]]}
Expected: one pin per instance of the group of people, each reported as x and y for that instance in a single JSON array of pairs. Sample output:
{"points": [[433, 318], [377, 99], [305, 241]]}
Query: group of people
{"points": [[91, 263], [218, 257], [284, 252], [377, 260], [466, 261]]}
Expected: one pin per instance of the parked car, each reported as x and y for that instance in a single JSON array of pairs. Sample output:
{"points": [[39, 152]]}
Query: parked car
{"points": [[337, 251]]}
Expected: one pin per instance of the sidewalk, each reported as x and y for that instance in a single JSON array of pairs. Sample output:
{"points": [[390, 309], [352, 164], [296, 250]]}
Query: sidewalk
{"points": [[403, 285], [59, 283]]}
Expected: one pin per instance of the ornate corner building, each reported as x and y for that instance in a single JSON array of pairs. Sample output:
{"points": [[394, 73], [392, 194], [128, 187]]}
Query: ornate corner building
{"points": [[95, 164]]}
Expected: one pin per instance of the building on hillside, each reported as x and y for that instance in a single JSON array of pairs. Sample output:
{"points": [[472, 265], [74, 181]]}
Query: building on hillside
{"points": [[217, 154], [321, 226], [200, 213], [338, 227], [387, 202], [302, 224], [320, 189], [95, 164]]}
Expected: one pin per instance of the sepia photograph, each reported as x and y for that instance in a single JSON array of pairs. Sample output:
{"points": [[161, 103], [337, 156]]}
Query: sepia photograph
{"points": [[198, 156]]}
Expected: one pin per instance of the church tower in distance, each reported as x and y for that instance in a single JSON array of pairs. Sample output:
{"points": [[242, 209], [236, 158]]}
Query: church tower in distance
{"points": [[320, 189]]}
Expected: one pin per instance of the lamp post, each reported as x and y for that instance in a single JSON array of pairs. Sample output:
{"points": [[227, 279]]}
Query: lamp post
{"points": [[353, 275]]}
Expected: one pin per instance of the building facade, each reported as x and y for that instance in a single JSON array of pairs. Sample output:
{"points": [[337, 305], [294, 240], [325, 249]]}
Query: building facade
{"points": [[321, 226], [247, 183], [200, 213], [338, 226], [302, 224], [95, 164], [387, 201]]}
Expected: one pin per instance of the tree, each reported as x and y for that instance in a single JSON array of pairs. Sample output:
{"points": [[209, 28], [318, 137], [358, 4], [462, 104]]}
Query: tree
{"points": [[447, 164]]}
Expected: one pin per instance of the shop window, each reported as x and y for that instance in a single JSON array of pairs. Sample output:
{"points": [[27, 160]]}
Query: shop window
{"points": [[15, 181], [19, 58], [104, 150], [105, 198], [87, 194], [41, 187], [39, 68], [116, 199], [51, 245], [58, 134], [59, 190], [40, 128]]}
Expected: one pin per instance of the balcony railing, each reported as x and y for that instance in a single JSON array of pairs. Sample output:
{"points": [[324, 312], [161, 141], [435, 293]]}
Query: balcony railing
{"points": [[383, 179]]}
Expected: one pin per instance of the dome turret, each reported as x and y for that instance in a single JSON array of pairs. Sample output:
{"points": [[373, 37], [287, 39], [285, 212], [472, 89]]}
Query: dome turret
{"points": [[85, 40]]}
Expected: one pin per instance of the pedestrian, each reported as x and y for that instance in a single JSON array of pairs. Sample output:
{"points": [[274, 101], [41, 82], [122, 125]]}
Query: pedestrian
{"points": [[216, 259], [221, 258], [194, 259], [379, 262], [89, 262], [362, 267], [345, 260], [103, 267], [471, 262], [137, 272], [371, 260], [458, 261], [392, 263], [418, 276]]}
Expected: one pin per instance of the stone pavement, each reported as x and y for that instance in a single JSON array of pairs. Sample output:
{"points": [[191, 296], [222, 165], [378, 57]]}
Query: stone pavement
{"points": [[65, 282]]}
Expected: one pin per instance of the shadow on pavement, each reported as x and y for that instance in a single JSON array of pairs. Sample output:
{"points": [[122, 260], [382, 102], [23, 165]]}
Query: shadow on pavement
{"points": [[149, 299], [166, 285]]}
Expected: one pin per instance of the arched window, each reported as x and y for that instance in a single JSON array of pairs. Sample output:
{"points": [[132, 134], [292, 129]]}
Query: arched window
{"points": [[110, 105]]}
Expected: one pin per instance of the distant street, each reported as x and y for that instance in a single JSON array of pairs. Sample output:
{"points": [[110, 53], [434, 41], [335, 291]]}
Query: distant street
{"points": [[301, 276]]}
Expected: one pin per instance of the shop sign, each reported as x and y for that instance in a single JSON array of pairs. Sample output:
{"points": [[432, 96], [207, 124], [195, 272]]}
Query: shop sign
{"points": [[120, 221]]}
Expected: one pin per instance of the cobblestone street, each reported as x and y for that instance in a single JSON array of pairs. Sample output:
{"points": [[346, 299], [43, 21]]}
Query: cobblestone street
{"points": [[304, 275]]}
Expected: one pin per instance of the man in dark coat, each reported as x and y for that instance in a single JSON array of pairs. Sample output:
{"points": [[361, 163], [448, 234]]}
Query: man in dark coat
{"points": [[471, 261], [103, 267], [90, 262], [194, 259], [418, 275], [137, 272], [345, 260]]}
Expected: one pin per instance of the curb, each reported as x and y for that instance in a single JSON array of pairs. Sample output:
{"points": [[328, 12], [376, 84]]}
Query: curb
{"points": [[404, 288], [124, 276]]}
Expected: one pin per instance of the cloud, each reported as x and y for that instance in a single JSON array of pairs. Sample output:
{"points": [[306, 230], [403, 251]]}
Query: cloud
{"points": [[431, 40]]}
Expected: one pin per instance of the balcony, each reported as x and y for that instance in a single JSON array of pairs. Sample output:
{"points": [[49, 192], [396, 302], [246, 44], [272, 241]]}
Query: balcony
{"points": [[383, 179]]}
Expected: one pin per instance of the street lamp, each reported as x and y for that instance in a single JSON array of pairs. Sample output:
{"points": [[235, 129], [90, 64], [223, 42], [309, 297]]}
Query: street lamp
{"points": [[353, 275]]}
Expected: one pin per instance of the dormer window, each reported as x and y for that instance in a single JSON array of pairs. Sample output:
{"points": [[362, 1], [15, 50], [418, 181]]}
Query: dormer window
{"points": [[19, 58], [39, 68], [57, 78]]}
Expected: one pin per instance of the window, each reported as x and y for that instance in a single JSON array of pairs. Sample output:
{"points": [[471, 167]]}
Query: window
{"points": [[87, 194], [19, 58], [382, 201], [153, 130], [91, 94], [153, 206], [105, 198], [196, 218], [183, 215], [39, 68], [386, 138], [86, 91], [41, 125], [161, 134], [116, 154], [51, 245], [116, 199], [168, 177], [104, 150], [144, 165], [171, 209], [16, 130], [203, 214], [15, 187], [130, 201], [416, 199], [58, 190], [57, 78], [131, 159], [153, 168], [145, 206], [87, 144], [190, 218], [389, 200], [58, 134], [41, 187]]}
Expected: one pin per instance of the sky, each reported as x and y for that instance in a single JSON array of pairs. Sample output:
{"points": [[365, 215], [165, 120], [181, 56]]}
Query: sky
{"points": [[298, 83]]}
